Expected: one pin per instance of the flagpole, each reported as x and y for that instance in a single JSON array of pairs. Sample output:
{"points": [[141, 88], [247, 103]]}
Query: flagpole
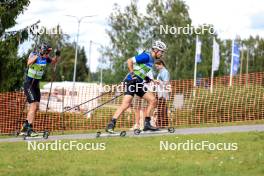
{"points": [[232, 62], [241, 67], [247, 66], [195, 65], [212, 72]]}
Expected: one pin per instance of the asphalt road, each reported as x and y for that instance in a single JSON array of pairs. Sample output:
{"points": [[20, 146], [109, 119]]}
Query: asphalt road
{"points": [[182, 131]]}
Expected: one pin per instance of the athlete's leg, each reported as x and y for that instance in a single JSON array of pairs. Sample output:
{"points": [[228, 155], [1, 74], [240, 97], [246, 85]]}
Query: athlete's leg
{"points": [[27, 127], [31, 116], [33, 107], [138, 112], [151, 105], [137, 118], [33, 97], [124, 106], [152, 102]]}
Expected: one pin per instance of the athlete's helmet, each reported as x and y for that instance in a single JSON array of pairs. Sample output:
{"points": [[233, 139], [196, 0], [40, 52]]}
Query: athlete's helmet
{"points": [[45, 48], [159, 45]]}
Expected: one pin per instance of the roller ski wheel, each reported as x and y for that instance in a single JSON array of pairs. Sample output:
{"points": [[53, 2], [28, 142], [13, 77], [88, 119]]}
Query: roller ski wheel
{"points": [[46, 134], [171, 130], [137, 131], [98, 134], [17, 133], [123, 133]]}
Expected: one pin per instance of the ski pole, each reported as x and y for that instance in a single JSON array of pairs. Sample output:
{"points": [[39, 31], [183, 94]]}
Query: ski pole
{"points": [[47, 106], [103, 104], [106, 102], [51, 83], [90, 99], [87, 101]]}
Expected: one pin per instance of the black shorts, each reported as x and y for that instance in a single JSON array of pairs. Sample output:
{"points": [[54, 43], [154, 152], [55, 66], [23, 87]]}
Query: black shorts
{"points": [[32, 91], [135, 87]]}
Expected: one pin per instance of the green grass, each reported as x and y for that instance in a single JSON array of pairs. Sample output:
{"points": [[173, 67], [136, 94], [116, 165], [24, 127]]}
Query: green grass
{"points": [[140, 157]]}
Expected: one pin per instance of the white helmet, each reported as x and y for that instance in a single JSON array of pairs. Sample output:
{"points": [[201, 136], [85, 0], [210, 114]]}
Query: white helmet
{"points": [[159, 45]]}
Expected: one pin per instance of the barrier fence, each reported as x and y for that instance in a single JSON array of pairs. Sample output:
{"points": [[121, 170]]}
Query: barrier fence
{"points": [[187, 105]]}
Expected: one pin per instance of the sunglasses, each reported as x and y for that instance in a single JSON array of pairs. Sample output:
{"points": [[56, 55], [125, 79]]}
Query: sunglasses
{"points": [[159, 51]]}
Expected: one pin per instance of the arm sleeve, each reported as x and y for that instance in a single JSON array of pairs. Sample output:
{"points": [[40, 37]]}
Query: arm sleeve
{"points": [[134, 60], [31, 54], [141, 58], [48, 60]]}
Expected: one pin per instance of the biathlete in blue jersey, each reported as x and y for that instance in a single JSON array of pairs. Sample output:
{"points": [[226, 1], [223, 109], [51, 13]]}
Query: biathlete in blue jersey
{"points": [[37, 62], [139, 66]]}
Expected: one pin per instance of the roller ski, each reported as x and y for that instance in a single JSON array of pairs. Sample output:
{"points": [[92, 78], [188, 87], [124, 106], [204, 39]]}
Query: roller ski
{"points": [[149, 129], [27, 132], [110, 131], [158, 131]]}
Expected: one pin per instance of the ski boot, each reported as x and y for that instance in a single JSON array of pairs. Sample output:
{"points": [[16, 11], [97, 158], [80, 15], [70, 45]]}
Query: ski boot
{"points": [[111, 126], [24, 129], [148, 126], [31, 132]]}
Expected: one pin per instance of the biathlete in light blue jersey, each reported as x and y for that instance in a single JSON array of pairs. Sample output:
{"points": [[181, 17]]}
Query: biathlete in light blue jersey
{"points": [[138, 67]]}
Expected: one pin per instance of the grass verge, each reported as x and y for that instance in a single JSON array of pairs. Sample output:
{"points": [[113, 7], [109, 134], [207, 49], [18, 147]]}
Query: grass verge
{"points": [[140, 156]]}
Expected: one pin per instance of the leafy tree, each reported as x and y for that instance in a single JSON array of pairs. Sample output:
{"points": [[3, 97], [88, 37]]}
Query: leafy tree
{"points": [[125, 38], [180, 54], [130, 31], [11, 67], [65, 67], [255, 49]]}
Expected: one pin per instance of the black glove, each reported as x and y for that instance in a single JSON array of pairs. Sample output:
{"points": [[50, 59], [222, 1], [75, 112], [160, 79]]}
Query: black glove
{"points": [[133, 75], [147, 79], [57, 52], [134, 78]]}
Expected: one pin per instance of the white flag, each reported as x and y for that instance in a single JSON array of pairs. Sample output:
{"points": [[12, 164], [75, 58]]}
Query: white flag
{"points": [[198, 58], [235, 58], [216, 56]]}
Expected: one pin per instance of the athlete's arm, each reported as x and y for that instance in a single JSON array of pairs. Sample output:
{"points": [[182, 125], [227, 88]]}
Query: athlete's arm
{"points": [[32, 59], [141, 58], [130, 65], [54, 59], [57, 57]]}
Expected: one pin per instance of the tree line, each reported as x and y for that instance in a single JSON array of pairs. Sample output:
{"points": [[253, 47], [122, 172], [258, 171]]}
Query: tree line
{"points": [[130, 32]]}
